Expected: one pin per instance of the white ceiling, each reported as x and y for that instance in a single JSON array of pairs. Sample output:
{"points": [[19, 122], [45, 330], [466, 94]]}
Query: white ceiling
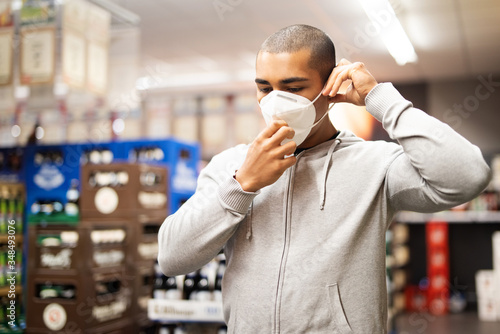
{"points": [[188, 41]]}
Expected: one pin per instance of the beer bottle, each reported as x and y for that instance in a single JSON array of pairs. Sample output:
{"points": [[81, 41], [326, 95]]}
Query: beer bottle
{"points": [[172, 290], [202, 286], [189, 285], [73, 196], [158, 287]]}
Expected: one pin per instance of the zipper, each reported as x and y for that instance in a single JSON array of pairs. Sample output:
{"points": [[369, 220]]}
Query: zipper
{"points": [[286, 245]]}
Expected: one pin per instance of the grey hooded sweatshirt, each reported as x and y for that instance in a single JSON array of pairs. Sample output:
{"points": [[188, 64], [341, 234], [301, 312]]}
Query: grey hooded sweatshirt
{"points": [[307, 253]]}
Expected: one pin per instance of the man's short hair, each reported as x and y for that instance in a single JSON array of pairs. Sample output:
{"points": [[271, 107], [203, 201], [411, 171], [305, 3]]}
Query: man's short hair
{"points": [[300, 36]]}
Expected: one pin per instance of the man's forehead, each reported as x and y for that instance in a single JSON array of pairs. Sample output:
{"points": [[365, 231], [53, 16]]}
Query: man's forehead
{"points": [[284, 65], [300, 56]]}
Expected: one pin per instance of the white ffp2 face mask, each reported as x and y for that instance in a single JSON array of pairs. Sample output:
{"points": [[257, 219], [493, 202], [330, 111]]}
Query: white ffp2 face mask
{"points": [[297, 111]]}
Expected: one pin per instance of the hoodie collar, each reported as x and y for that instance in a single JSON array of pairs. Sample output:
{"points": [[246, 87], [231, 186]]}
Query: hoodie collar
{"points": [[343, 138]]}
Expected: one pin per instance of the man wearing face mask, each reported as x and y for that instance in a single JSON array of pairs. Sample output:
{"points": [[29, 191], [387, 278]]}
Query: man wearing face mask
{"points": [[301, 213]]}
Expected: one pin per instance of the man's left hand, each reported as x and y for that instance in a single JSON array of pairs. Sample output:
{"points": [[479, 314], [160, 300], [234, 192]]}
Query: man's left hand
{"points": [[362, 83]]}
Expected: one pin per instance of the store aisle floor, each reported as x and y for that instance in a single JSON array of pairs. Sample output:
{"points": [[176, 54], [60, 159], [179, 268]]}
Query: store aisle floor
{"points": [[463, 323]]}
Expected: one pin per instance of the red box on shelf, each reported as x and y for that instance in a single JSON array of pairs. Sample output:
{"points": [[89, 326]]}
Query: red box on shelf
{"points": [[416, 299], [437, 301], [436, 234], [438, 267]]}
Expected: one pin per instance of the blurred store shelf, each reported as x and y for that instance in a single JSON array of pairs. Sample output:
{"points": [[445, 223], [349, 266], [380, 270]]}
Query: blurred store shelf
{"points": [[449, 216]]}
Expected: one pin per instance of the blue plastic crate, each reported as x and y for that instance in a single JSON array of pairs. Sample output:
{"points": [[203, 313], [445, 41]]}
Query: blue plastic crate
{"points": [[176, 200], [183, 163], [180, 157], [105, 152], [51, 171]]}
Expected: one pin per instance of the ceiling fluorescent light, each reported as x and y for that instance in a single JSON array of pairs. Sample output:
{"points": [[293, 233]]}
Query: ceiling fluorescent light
{"points": [[385, 23]]}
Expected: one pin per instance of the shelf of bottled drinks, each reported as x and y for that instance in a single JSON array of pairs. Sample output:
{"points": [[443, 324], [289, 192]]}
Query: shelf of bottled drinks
{"points": [[195, 297], [86, 218]]}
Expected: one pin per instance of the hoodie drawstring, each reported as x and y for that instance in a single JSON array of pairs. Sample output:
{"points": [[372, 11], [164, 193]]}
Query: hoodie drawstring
{"points": [[326, 166], [322, 190], [249, 221]]}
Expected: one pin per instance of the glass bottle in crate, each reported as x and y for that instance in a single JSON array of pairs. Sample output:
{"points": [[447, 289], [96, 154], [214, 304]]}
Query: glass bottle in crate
{"points": [[202, 286], [190, 282], [73, 196], [172, 291], [158, 287]]}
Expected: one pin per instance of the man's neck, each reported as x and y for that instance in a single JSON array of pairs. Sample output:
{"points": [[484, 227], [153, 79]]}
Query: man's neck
{"points": [[322, 132]]}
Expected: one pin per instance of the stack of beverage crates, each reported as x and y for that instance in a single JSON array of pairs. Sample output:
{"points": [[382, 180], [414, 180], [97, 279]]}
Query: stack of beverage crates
{"points": [[94, 211]]}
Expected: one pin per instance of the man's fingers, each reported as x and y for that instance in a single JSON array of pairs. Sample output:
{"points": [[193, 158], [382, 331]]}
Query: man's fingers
{"points": [[271, 129], [339, 98], [283, 133], [339, 79], [287, 149], [343, 62], [344, 71], [334, 77], [288, 162]]}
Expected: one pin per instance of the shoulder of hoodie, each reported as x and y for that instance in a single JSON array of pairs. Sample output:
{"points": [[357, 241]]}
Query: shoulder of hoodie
{"points": [[370, 147]]}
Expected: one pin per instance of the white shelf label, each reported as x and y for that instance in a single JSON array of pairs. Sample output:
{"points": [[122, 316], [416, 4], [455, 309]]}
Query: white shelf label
{"points": [[185, 310]]}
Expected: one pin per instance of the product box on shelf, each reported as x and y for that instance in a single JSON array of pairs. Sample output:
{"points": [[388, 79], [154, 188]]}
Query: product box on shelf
{"points": [[124, 191], [487, 309], [438, 267], [488, 294], [52, 180], [485, 283], [437, 234], [415, 299]]}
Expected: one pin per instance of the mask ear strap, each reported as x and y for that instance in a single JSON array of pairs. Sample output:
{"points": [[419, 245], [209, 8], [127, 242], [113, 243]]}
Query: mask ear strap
{"points": [[317, 97], [326, 113]]}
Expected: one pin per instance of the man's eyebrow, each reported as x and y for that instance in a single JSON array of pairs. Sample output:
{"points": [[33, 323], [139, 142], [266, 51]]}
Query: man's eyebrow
{"points": [[293, 79], [284, 81], [262, 81]]}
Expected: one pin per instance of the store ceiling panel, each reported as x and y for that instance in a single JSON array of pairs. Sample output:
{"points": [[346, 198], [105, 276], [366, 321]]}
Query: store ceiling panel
{"points": [[452, 38]]}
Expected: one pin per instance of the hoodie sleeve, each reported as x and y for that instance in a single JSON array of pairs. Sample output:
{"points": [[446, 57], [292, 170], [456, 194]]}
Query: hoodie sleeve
{"points": [[195, 234], [438, 168]]}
